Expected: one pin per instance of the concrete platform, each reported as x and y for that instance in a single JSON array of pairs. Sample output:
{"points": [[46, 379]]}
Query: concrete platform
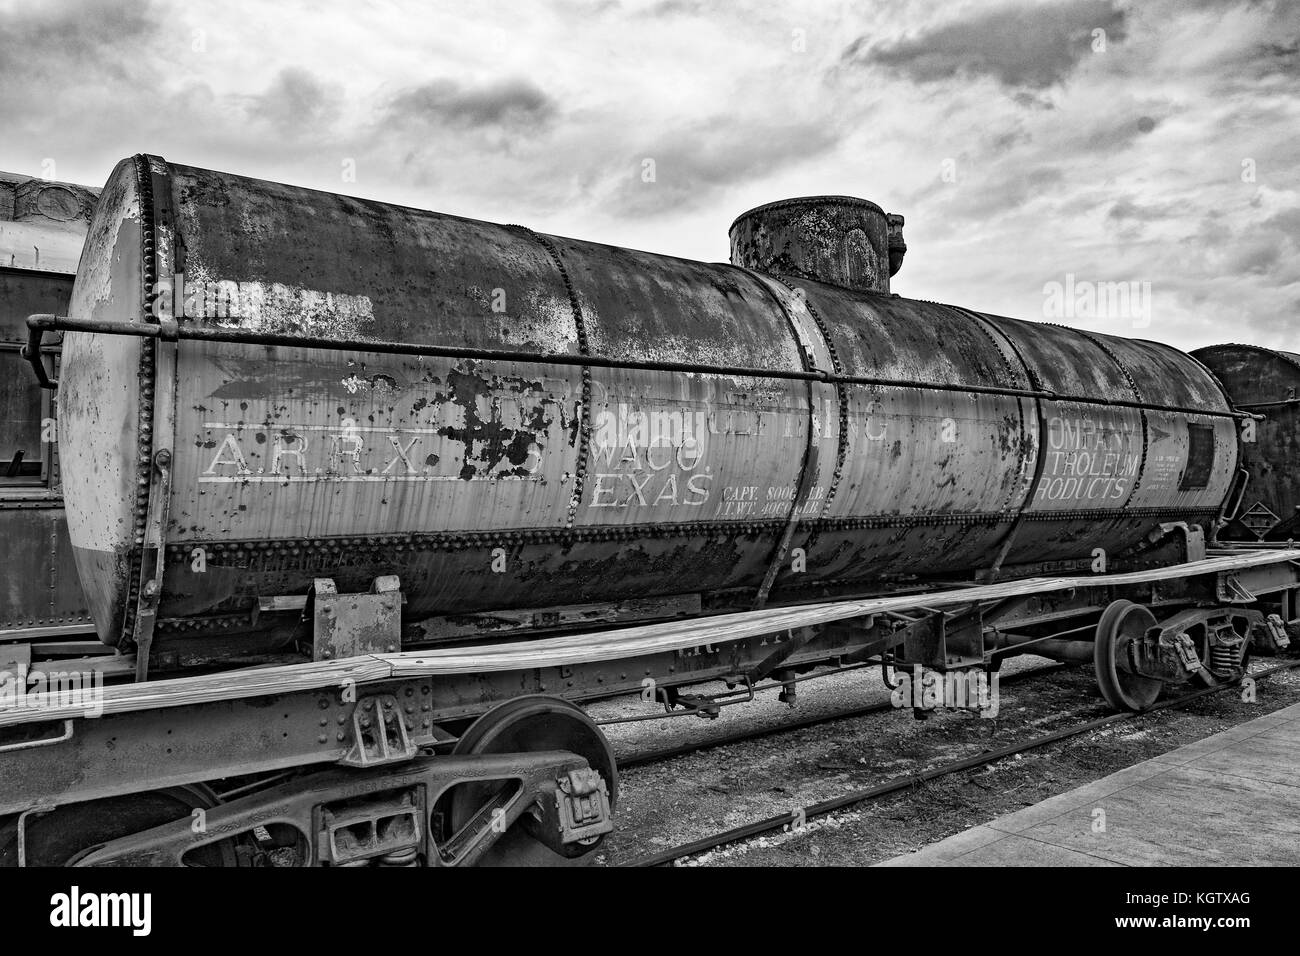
{"points": [[1228, 800]]}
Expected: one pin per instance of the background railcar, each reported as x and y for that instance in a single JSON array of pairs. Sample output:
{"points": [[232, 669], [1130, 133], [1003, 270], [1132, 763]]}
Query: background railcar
{"points": [[42, 227], [1265, 382]]}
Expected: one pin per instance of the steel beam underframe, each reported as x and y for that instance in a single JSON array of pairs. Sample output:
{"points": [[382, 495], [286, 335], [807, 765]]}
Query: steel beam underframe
{"points": [[414, 787], [89, 758], [93, 757]]}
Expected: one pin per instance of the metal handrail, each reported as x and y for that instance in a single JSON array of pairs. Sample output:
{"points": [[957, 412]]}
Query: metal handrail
{"points": [[170, 330]]}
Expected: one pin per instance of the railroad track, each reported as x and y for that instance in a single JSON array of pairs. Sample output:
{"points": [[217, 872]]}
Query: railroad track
{"points": [[662, 754], [907, 781]]}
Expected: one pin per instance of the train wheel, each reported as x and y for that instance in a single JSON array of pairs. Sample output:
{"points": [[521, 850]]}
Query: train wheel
{"points": [[67, 833], [528, 725], [1120, 623]]}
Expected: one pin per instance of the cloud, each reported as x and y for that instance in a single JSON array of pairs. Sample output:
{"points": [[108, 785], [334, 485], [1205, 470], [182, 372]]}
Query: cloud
{"points": [[512, 103], [1001, 191], [1287, 223], [668, 8], [1126, 209], [295, 100], [1021, 46], [64, 38], [1278, 58], [1065, 160], [693, 163]]}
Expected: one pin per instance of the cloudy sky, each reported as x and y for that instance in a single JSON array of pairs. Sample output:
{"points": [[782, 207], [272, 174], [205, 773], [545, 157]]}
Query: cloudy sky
{"points": [[1112, 141]]}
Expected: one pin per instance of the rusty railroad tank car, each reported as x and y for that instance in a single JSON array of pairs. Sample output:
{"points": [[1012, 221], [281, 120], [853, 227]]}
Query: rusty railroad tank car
{"points": [[1266, 383], [322, 386], [42, 226]]}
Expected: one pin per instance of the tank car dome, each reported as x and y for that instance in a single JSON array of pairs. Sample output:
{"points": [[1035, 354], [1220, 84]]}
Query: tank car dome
{"points": [[840, 240]]}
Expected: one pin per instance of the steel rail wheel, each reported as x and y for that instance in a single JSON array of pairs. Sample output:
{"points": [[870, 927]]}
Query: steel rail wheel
{"points": [[69, 832], [1120, 624], [528, 725]]}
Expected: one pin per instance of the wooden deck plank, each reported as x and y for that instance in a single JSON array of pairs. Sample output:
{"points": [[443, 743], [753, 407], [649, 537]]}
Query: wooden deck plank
{"points": [[590, 647]]}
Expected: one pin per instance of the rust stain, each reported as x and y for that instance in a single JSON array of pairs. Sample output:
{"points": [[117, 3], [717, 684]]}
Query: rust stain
{"points": [[487, 440]]}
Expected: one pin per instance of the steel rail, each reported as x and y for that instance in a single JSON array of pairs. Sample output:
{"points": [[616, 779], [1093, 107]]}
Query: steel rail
{"points": [[758, 827], [662, 754]]}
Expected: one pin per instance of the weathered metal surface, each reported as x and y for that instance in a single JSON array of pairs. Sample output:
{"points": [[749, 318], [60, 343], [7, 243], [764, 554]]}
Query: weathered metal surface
{"points": [[39, 587], [558, 618], [24, 292], [493, 483], [842, 240], [99, 405], [349, 625], [1266, 382], [42, 226], [1115, 467]]}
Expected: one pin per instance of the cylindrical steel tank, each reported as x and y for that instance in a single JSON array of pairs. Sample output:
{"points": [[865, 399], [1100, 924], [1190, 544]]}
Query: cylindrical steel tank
{"points": [[1265, 382], [640, 426]]}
